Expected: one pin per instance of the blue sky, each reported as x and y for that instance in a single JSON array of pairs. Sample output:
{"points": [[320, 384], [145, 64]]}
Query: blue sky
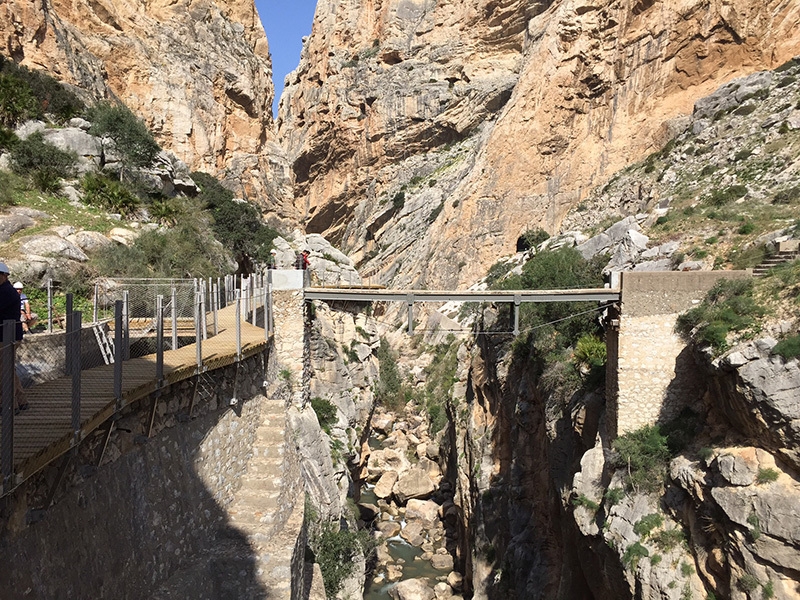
{"points": [[286, 22]]}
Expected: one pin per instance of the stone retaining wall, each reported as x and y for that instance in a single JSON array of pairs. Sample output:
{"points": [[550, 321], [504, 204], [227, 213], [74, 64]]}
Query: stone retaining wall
{"points": [[652, 376], [154, 505]]}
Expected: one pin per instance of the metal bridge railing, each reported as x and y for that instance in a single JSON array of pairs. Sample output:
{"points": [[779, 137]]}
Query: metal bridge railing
{"points": [[129, 319]]}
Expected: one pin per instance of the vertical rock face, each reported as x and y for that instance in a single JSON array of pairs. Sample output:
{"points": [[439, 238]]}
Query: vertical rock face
{"points": [[197, 71], [543, 100]]}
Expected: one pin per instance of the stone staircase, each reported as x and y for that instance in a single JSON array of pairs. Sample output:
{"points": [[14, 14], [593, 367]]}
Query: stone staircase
{"points": [[779, 258], [258, 552]]}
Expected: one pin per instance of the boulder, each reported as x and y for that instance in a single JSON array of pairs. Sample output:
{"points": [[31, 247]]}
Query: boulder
{"points": [[89, 241], [388, 459], [124, 236], [739, 467], [414, 533], [413, 484], [442, 561], [367, 511], [51, 245], [412, 589], [425, 511], [455, 580], [383, 489], [388, 529], [12, 223]]}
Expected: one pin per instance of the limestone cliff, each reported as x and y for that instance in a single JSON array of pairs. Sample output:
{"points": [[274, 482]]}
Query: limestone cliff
{"points": [[197, 71], [421, 131]]}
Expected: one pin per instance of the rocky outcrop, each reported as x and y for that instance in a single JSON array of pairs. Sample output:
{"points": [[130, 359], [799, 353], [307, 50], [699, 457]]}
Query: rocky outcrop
{"points": [[419, 132], [198, 72]]}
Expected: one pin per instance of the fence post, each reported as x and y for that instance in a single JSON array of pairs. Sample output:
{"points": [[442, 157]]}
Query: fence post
{"points": [[238, 325], [126, 322], [203, 314], [67, 328], [7, 384], [253, 304], [96, 302], [159, 341], [49, 306], [265, 289], [271, 326], [75, 351], [174, 319], [198, 337], [215, 307], [118, 352]]}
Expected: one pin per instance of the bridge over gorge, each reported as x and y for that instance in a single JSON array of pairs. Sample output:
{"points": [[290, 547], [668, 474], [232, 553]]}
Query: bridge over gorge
{"points": [[238, 443], [63, 414]]}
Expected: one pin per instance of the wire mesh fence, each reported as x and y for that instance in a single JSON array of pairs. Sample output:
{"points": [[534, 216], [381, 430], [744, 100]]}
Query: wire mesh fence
{"points": [[117, 321]]}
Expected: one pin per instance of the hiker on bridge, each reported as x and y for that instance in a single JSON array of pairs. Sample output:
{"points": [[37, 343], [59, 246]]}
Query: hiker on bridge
{"points": [[28, 318]]}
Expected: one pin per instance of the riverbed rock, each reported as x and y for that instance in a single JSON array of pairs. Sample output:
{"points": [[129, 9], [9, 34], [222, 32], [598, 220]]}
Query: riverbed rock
{"points": [[383, 488], [455, 580], [412, 589], [367, 511], [416, 483], [382, 423], [394, 572], [442, 561], [388, 459], [425, 511], [388, 529], [442, 591], [414, 533]]}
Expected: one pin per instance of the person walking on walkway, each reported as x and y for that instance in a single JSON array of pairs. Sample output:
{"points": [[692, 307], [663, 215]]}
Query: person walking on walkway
{"points": [[9, 311], [28, 318]]}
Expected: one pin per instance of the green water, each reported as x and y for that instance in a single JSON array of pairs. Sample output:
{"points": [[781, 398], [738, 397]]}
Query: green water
{"points": [[398, 549]]}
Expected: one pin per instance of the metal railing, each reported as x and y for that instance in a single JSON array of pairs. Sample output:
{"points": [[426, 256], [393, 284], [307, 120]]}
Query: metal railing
{"points": [[142, 317]]}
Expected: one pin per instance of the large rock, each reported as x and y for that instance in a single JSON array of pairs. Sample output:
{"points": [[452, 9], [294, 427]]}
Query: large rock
{"points": [[425, 511], [388, 459], [89, 241], [416, 483], [51, 245], [412, 589], [383, 489]]}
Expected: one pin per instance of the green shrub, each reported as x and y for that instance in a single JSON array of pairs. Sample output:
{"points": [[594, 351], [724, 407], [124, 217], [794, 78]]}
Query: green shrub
{"points": [[326, 413], [749, 258], [667, 539], [787, 196], [532, 238], [663, 219], [644, 455], [335, 550], [497, 271], [108, 194], [745, 110], [647, 523], [755, 526], [705, 453], [17, 102], [655, 559], [788, 348], [613, 496], [708, 170], [237, 225], [633, 554], [389, 391], [435, 213], [131, 137], [398, 200], [49, 96], [787, 80], [747, 583], [8, 139], [587, 503], [728, 306], [746, 228], [42, 162], [440, 377], [768, 590], [766, 476], [686, 569], [729, 194], [788, 65]]}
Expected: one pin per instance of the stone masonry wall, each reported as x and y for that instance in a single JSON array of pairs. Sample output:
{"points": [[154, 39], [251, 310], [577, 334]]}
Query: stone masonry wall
{"points": [[153, 506], [290, 342], [655, 375]]}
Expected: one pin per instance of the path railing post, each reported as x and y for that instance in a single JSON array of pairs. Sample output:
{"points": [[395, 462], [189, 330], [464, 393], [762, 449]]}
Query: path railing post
{"points": [[159, 341], [238, 326], [203, 312], [517, 301], [253, 304], [126, 322], [49, 306], [75, 353], [7, 385], [198, 334], [215, 307], [67, 328], [118, 352], [174, 316], [270, 319], [96, 303]]}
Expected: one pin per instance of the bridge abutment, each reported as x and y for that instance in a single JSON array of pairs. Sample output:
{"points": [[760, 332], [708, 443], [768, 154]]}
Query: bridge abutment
{"points": [[651, 375]]}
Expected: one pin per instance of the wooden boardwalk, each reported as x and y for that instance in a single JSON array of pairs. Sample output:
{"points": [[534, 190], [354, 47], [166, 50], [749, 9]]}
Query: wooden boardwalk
{"points": [[44, 432]]}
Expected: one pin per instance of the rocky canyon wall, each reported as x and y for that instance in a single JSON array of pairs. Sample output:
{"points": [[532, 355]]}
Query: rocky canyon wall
{"points": [[197, 71], [420, 132]]}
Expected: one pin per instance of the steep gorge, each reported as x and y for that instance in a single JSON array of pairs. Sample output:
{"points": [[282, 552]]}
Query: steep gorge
{"points": [[544, 100]]}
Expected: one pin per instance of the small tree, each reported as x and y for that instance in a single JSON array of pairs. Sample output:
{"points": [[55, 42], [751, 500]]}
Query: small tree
{"points": [[17, 103], [130, 135], [45, 164]]}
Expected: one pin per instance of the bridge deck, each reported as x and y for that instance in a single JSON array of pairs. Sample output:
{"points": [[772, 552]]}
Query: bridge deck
{"points": [[412, 296], [44, 432]]}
